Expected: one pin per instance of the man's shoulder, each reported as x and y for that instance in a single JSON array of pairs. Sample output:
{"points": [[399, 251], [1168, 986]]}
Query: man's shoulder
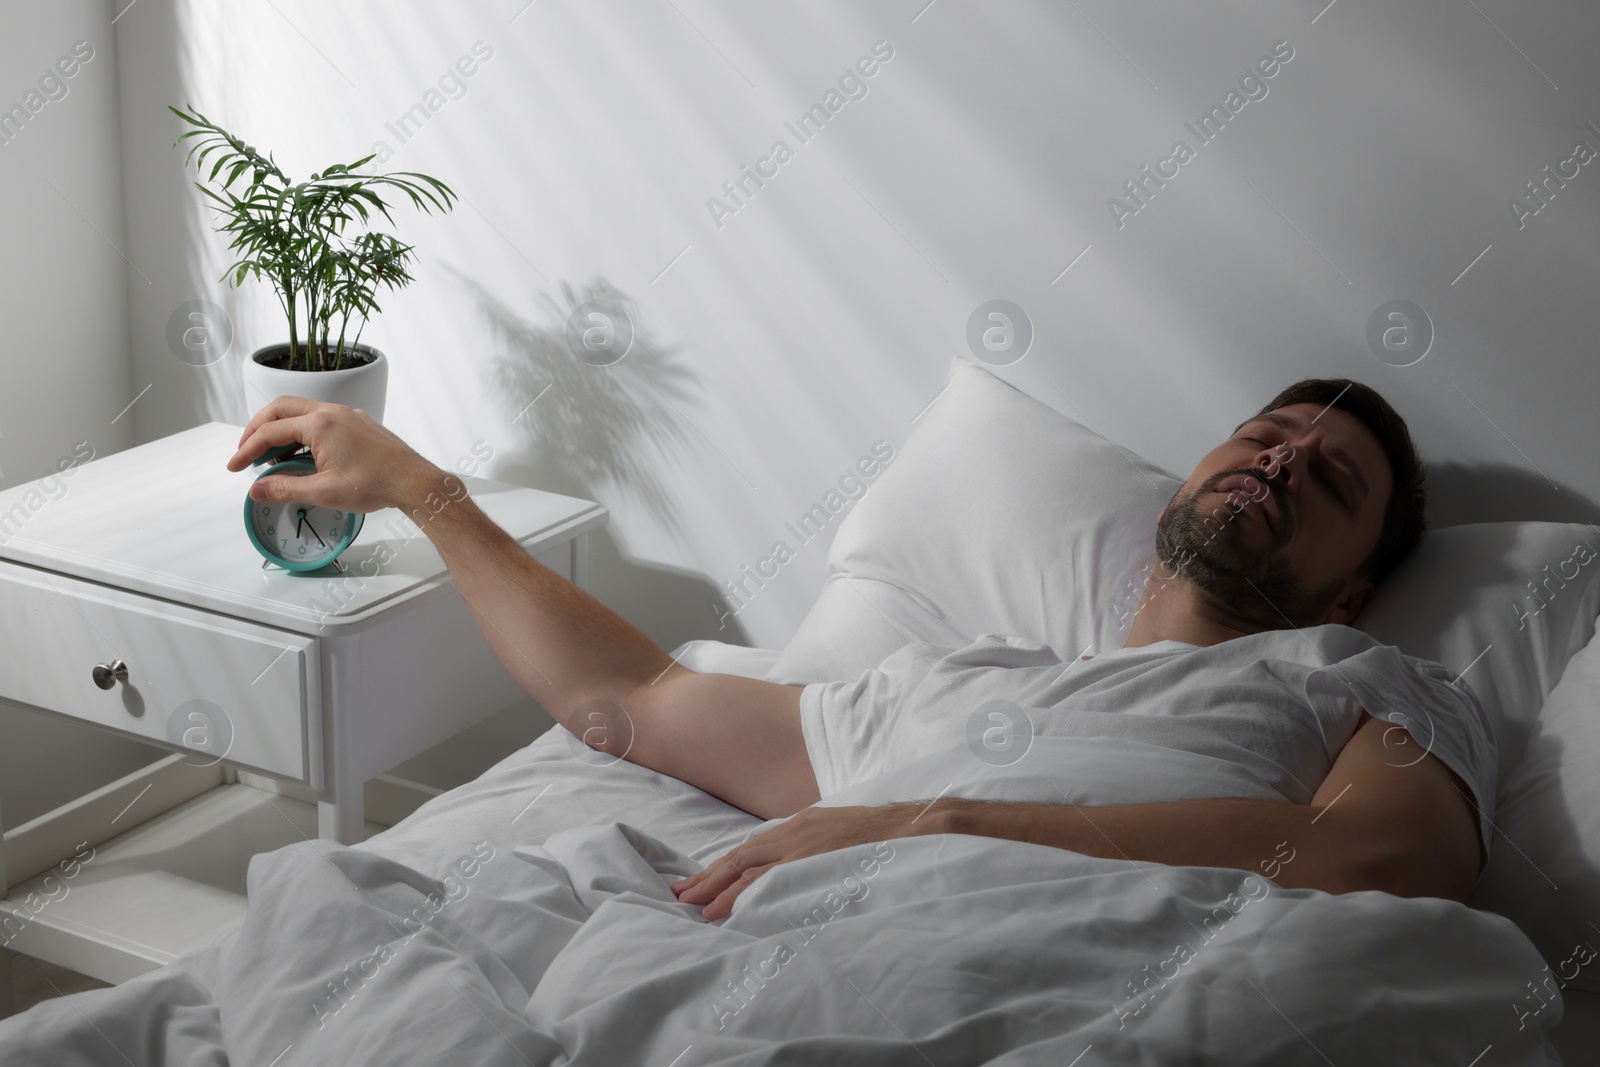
{"points": [[1340, 650], [1003, 651], [1311, 645], [987, 651], [1330, 641], [1354, 642], [1327, 647]]}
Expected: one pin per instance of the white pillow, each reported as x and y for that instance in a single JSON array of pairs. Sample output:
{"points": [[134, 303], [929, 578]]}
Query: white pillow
{"points": [[1544, 860], [999, 515], [1465, 598], [719, 657]]}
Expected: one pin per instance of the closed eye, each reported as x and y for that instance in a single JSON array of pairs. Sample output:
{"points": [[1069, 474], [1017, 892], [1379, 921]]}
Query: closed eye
{"points": [[1321, 466], [1333, 489]]}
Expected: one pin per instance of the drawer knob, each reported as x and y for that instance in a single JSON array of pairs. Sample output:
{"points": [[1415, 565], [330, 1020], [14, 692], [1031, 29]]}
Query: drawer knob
{"points": [[107, 675]]}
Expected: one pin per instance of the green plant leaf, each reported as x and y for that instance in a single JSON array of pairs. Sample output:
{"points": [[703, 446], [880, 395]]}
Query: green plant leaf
{"points": [[298, 236], [222, 161], [213, 196]]}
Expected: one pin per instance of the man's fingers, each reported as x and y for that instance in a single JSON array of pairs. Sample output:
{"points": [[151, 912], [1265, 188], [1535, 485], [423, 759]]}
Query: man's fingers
{"points": [[709, 882], [690, 882], [268, 435], [307, 488], [368, 468], [723, 905], [282, 407], [271, 490], [724, 872]]}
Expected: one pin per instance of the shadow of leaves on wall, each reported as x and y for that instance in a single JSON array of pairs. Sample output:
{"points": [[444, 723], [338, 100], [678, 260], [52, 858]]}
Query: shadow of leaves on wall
{"points": [[593, 430], [590, 426]]}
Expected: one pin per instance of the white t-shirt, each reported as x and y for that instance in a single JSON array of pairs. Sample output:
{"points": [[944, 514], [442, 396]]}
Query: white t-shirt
{"points": [[1272, 710]]}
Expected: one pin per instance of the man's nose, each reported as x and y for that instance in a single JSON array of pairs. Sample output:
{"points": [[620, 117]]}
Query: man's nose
{"points": [[1278, 463]]}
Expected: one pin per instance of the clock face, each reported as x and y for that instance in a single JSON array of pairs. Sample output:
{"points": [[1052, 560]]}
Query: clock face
{"points": [[299, 534]]}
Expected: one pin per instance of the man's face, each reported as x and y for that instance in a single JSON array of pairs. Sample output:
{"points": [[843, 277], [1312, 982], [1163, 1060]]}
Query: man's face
{"points": [[1273, 523]]}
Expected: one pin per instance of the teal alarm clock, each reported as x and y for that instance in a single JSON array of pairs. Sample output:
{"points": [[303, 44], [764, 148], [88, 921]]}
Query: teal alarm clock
{"points": [[295, 535]]}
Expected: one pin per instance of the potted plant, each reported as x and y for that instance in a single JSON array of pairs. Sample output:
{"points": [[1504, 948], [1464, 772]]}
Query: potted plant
{"points": [[295, 234]]}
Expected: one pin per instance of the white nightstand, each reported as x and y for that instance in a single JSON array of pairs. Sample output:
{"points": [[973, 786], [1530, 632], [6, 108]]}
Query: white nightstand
{"points": [[321, 681]]}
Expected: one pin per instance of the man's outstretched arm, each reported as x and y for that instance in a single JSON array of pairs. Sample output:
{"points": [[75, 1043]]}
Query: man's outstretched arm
{"points": [[1386, 817], [592, 670], [600, 677]]}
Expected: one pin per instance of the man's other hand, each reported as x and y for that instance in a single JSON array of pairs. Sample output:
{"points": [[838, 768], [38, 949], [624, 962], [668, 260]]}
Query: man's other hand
{"points": [[809, 832], [361, 466]]}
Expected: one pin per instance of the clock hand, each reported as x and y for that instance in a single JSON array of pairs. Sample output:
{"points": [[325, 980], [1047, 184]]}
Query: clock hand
{"points": [[318, 536], [302, 513]]}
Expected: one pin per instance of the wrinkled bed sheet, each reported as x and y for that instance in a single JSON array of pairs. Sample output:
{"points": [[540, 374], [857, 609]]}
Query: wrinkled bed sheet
{"points": [[525, 919]]}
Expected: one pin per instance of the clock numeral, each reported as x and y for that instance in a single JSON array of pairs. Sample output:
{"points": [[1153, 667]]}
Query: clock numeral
{"points": [[302, 550], [338, 515], [266, 510], [283, 542], [271, 532]]}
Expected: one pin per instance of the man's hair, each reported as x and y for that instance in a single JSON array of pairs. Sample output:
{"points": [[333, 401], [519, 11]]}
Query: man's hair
{"points": [[1405, 516]]}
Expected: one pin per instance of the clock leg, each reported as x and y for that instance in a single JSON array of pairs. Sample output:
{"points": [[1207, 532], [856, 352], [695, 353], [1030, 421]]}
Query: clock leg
{"points": [[340, 811]]}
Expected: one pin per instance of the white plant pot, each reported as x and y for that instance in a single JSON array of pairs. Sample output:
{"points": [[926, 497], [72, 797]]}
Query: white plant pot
{"points": [[364, 385]]}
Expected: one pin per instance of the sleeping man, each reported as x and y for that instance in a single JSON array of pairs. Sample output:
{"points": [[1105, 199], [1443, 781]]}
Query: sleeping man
{"points": [[1376, 770]]}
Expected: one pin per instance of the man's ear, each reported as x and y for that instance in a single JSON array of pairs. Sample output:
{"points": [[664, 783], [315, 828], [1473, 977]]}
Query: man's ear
{"points": [[1358, 593]]}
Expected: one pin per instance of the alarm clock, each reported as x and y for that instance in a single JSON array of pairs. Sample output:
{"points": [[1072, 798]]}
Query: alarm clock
{"points": [[294, 535]]}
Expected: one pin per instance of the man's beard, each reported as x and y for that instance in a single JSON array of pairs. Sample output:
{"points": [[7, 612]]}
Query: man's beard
{"points": [[1257, 585]]}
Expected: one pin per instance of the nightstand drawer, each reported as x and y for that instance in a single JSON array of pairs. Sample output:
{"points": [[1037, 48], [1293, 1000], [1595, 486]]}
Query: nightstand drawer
{"points": [[194, 679]]}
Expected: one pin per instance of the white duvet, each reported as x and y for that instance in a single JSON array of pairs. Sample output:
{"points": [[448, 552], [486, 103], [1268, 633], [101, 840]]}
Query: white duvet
{"points": [[525, 919]]}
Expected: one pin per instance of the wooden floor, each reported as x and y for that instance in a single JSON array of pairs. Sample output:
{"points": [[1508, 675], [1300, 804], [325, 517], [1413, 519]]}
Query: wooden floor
{"points": [[36, 981]]}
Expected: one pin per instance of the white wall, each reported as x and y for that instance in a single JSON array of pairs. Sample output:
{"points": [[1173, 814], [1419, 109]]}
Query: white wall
{"points": [[65, 371], [778, 345]]}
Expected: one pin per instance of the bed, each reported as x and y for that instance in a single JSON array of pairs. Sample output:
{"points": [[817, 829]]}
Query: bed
{"points": [[524, 918]]}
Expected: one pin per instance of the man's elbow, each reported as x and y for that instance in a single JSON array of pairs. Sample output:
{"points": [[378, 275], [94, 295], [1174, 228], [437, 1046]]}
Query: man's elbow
{"points": [[1425, 876], [1413, 868], [646, 730], [1406, 860]]}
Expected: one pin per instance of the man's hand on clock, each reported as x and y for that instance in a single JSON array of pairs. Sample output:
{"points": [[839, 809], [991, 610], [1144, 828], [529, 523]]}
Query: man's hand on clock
{"points": [[361, 465]]}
